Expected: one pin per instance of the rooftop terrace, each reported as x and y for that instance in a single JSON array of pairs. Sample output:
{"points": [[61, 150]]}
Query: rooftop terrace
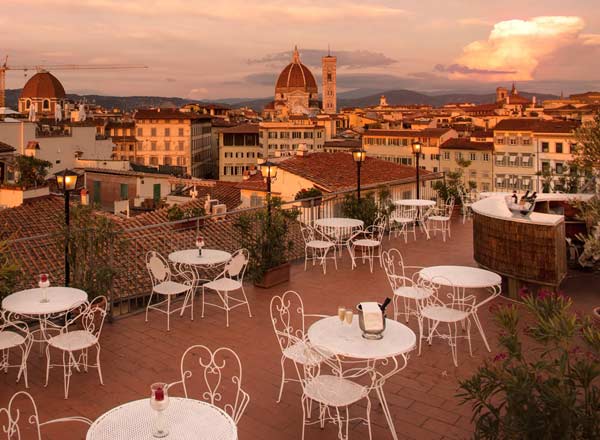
{"points": [[421, 398]]}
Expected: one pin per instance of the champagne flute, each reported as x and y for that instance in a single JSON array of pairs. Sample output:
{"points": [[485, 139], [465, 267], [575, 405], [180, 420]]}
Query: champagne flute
{"points": [[199, 244], [341, 313], [159, 401], [348, 316]]}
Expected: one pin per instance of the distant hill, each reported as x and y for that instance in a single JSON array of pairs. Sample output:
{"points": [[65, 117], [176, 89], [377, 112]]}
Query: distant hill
{"points": [[126, 103], [351, 98]]}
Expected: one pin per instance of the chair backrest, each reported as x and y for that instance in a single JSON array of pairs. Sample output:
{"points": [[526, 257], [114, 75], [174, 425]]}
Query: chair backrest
{"points": [[393, 264], [236, 267], [8, 322], [20, 418], [91, 318], [158, 268], [374, 232], [381, 220], [308, 233], [287, 317], [444, 294], [218, 379]]}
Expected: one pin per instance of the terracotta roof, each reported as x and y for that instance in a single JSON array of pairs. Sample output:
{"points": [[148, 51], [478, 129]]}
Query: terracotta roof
{"points": [[426, 132], [337, 171], [168, 113], [482, 108], [43, 85], [242, 129], [535, 125], [343, 143], [466, 144], [254, 182], [120, 124], [5, 148], [218, 122], [482, 133]]}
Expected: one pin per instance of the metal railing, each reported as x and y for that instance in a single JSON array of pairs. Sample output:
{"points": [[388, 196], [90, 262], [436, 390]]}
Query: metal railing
{"points": [[131, 284]]}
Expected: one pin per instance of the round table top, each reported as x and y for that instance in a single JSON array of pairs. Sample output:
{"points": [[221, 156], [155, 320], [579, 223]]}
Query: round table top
{"points": [[346, 340], [210, 257], [28, 302], [185, 419], [461, 276], [339, 222], [414, 202]]}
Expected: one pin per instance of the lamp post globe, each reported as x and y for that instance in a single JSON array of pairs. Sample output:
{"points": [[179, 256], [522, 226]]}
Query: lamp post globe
{"points": [[66, 181], [417, 147], [359, 157]]}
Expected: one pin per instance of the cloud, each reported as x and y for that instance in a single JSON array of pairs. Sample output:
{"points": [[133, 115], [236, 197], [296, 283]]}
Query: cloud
{"points": [[515, 48], [591, 39], [312, 57], [474, 22], [462, 69]]}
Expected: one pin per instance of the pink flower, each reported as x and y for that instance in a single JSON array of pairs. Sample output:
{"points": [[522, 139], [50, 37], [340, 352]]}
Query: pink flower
{"points": [[500, 357], [523, 292], [543, 294]]}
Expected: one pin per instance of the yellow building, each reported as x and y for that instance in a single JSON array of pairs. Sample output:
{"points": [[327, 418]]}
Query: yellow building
{"points": [[284, 138], [479, 154], [239, 150], [171, 137]]}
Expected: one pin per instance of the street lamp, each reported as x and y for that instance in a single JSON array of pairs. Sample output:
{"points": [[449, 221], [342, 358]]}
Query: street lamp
{"points": [[66, 181], [269, 171], [416, 147], [359, 157]]}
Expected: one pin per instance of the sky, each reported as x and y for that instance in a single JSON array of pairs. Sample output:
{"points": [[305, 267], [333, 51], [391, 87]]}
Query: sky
{"points": [[236, 48]]}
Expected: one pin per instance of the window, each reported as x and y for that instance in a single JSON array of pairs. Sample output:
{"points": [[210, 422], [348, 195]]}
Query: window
{"points": [[97, 190], [28, 104], [472, 156], [140, 131], [559, 168], [167, 132], [153, 160], [180, 133], [153, 145], [526, 141], [180, 145], [296, 135], [446, 155], [153, 132], [545, 167], [167, 145], [486, 157], [500, 140], [167, 160], [46, 104], [545, 147], [512, 141], [124, 191], [559, 147], [284, 135], [458, 155], [272, 135]]}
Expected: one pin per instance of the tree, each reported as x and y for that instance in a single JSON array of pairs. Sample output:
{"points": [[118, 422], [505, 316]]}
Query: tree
{"points": [[32, 171], [587, 149], [8, 270]]}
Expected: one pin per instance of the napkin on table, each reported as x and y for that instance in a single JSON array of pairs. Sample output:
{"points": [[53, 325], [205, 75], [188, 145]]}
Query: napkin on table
{"points": [[372, 316]]}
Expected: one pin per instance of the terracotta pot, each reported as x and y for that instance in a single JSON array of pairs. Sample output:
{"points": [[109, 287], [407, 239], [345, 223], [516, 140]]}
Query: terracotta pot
{"points": [[310, 203], [274, 276]]}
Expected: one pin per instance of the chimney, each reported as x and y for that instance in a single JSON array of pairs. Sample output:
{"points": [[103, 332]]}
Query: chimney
{"points": [[85, 198]]}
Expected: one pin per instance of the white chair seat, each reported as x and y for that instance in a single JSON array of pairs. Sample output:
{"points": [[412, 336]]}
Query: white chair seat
{"points": [[223, 284], [403, 220], [170, 288], [440, 218], [412, 292], [444, 314], [10, 339], [319, 244], [366, 242], [334, 391], [73, 341], [297, 353]]}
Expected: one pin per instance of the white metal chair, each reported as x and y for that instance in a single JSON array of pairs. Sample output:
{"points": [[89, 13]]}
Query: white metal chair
{"points": [[228, 281], [466, 201], [316, 247], [439, 219], [369, 242], [403, 282], [78, 335], [402, 221], [445, 305], [14, 334], [164, 286], [218, 379], [326, 384], [22, 421], [288, 319]]}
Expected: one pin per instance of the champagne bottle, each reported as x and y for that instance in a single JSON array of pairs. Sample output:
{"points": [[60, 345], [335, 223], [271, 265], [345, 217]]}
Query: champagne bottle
{"points": [[386, 302], [515, 198]]}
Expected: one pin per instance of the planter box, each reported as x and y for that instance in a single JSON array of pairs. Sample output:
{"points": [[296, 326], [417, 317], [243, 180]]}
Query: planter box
{"points": [[310, 203], [274, 276]]}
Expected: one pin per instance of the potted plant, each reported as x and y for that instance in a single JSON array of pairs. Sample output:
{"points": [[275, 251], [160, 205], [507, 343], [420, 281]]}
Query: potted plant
{"points": [[266, 233], [176, 213], [309, 197]]}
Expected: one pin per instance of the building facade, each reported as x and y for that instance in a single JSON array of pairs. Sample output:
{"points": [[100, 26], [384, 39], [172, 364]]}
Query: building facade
{"points": [[239, 151], [284, 138], [122, 135], [329, 84], [174, 138], [478, 155]]}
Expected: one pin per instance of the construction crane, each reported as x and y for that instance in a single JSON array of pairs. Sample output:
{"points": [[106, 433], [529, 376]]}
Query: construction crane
{"points": [[45, 68]]}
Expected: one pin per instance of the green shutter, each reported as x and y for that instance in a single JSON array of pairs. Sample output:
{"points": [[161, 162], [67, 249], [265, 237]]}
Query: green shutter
{"points": [[97, 191], [156, 189], [124, 191]]}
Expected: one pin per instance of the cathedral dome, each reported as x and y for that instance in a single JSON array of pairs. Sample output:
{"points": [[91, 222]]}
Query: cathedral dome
{"points": [[296, 76], [43, 85]]}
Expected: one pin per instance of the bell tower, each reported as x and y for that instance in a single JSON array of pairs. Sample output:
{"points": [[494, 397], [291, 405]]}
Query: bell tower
{"points": [[329, 83]]}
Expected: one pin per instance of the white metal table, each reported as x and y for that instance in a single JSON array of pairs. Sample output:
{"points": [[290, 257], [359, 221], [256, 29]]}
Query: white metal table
{"points": [[28, 303], [191, 257], [186, 419], [347, 341], [461, 278], [339, 228], [420, 205]]}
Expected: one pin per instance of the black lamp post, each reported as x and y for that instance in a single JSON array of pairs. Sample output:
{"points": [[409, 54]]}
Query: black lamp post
{"points": [[359, 157], [416, 147], [66, 181], [269, 171]]}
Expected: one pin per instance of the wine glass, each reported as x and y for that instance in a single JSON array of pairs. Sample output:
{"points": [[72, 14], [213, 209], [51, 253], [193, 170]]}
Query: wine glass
{"points": [[159, 401], [44, 283], [199, 244], [341, 313]]}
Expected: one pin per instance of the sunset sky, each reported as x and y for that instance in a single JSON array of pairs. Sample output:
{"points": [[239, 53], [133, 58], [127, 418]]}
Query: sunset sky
{"points": [[235, 48]]}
